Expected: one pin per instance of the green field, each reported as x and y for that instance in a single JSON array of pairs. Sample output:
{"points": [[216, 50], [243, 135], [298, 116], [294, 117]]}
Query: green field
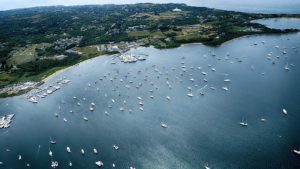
{"points": [[25, 54]]}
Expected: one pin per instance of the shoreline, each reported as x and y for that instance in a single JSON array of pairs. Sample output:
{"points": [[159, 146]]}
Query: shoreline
{"points": [[63, 69], [44, 80], [67, 68]]}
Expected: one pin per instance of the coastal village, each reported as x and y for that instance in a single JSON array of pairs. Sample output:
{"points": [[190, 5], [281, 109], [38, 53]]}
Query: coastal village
{"points": [[121, 49], [31, 54]]}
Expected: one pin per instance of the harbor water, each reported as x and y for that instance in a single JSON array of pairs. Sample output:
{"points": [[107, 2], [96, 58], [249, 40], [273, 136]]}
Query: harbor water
{"points": [[201, 130]]}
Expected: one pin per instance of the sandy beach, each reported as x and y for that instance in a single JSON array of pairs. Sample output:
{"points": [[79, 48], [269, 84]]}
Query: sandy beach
{"points": [[67, 68]]}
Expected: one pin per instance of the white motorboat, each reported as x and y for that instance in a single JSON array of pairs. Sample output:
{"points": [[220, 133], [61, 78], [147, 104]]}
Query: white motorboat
{"points": [[190, 94], [85, 118], [95, 151], [164, 125], [115, 147], [68, 150], [284, 111], [99, 163], [296, 152]]}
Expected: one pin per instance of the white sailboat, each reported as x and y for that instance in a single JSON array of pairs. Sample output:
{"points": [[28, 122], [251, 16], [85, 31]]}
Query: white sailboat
{"points": [[244, 123]]}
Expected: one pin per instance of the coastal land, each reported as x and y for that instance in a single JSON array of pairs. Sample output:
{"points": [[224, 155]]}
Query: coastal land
{"points": [[37, 42]]}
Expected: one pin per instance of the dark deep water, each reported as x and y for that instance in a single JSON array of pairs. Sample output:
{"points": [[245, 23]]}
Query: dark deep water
{"points": [[201, 130]]}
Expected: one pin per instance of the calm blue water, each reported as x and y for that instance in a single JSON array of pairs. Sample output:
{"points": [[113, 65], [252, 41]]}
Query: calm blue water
{"points": [[281, 23], [201, 130], [253, 6]]}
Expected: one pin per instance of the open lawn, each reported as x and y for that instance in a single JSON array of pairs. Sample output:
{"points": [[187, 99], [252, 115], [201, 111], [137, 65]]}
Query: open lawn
{"points": [[25, 54]]}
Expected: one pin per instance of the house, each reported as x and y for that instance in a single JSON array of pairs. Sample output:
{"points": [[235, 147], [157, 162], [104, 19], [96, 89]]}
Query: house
{"points": [[177, 10]]}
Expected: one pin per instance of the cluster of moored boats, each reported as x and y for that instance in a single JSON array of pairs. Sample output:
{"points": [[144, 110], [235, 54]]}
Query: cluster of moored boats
{"points": [[5, 121], [130, 58], [42, 92], [55, 164], [198, 86]]}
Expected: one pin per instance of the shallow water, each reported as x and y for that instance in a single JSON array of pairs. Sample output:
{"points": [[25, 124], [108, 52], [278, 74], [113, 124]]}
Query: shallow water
{"points": [[201, 130]]}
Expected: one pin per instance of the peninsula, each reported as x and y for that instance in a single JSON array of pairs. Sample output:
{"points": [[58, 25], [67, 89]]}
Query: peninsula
{"points": [[36, 42]]}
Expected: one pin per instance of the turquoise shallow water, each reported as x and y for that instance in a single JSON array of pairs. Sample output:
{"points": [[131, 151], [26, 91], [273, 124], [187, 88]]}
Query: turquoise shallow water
{"points": [[201, 130]]}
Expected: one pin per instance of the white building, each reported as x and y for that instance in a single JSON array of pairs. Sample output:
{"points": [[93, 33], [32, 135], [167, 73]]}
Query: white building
{"points": [[177, 10]]}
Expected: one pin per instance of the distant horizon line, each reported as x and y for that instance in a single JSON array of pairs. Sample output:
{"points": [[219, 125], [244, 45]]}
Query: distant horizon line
{"points": [[41, 6], [236, 9]]}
